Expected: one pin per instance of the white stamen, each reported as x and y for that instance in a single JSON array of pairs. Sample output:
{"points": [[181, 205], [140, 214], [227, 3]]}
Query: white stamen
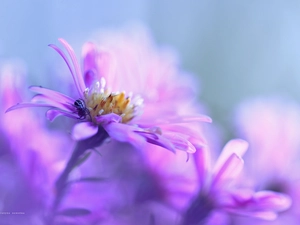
{"points": [[114, 94], [103, 82], [100, 112], [139, 101]]}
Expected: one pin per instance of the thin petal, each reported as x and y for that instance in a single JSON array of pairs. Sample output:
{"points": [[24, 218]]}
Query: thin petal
{"points": [[52, 114], [89, 54], [236, 146], [180, 141], [264, 215], [57, 96], [42, 99], [62, 54], [74, 60], [157, 139], [228, 171], [84, 130], [178, 120], [202, 160], [27, 104], [272, 200], [263, 204]]}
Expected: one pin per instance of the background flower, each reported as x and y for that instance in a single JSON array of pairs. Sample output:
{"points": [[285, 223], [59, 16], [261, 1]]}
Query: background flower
{"points": [[271, 125]]}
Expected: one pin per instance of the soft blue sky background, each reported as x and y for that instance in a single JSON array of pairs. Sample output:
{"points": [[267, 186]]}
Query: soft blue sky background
{"points": [[239, 49]]}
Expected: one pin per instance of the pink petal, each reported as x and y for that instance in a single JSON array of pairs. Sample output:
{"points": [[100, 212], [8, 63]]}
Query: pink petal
{"points": [[41, 99], [180, 141], [230, 169], [56, 96], [62, 54], [89, 54], [84, 130], [157, 139], [52, 114], [125, 133], [27, 104], [236, 146], [202, 160], [264, 215], [74, 60], [272, 200], [89, 77], [107, 118]]}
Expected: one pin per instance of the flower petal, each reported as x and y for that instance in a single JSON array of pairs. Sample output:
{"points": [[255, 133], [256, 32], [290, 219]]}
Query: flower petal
{"points": [[57, 96], [27, 104], [52, 114], [263, 204], [229, 170], [157, 139], [236, 146], [107, 118], [272, 200], [89, 55], [124, 133], [42, 99], [62, 54], [78, 74], [84, 130], [180, 141]]}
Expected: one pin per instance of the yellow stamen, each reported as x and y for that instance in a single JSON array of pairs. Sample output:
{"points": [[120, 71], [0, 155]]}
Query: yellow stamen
{"points": [[101, 103]]}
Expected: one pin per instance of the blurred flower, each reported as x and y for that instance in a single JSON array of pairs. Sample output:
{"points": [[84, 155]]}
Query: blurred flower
{"points": [[221, 193], [33, 152], [139, 69], [272, 127]]}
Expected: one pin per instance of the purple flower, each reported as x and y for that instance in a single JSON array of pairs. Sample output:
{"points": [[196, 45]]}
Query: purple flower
{"points": [[33, 152], [220, 191], [272, 127], [155, 110]]}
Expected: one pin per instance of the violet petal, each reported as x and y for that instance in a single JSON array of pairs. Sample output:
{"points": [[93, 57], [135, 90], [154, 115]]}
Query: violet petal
{"points": [[125, 133], [84, 130], [52, 114], [78, 75], [229, 170]]}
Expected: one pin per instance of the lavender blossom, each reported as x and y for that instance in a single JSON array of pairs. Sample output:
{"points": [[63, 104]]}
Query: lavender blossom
{"points": [[119, 114], [272, 127], [220, 192], [35, 154]]}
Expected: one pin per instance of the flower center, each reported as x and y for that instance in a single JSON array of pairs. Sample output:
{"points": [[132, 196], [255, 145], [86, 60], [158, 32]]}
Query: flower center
{"points": [[99, 101]]}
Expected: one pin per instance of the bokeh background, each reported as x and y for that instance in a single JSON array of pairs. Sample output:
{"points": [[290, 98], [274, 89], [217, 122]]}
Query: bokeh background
{"points": [[238, 49]]}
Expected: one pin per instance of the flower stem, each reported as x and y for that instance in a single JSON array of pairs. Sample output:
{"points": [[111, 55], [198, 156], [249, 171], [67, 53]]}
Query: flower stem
{"points": [[81, 147]]}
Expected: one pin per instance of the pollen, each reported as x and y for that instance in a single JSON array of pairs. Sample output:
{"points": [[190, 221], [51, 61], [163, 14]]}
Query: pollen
{"points": [[100, 101]]}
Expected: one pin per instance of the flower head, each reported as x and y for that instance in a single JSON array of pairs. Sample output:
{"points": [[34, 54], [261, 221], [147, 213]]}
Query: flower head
{"points": [[272, 127], [221, 193], [101, 100]]}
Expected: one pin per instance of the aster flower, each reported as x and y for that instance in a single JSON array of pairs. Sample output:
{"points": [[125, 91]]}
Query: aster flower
{"points": [[221, 193], [274, 154], [117, 112]]}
